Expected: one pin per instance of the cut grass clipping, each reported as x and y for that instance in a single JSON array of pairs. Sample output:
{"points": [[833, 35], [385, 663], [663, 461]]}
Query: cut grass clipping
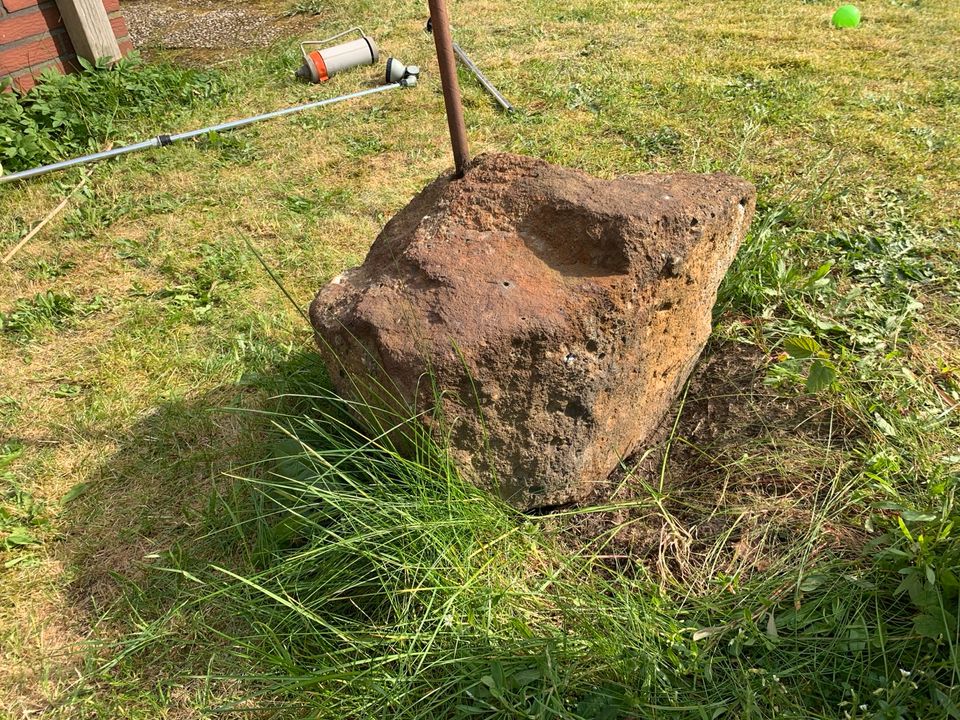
{"points": [[383, 585]]}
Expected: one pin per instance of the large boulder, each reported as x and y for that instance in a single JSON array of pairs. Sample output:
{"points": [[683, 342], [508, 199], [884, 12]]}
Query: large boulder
{"points": [[548, 317]]}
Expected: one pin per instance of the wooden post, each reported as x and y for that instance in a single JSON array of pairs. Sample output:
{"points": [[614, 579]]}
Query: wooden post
{"points": [[448, 80], [89, 29]]}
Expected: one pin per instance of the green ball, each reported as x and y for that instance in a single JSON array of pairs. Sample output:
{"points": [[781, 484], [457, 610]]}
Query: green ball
{"points": [[846, 16]]}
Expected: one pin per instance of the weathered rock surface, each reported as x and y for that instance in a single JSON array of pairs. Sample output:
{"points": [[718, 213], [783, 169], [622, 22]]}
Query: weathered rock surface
{"points": [[560, 314]]}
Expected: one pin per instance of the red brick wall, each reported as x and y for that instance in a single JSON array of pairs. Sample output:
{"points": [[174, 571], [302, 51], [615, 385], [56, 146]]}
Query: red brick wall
{"points": [[32, 39]]}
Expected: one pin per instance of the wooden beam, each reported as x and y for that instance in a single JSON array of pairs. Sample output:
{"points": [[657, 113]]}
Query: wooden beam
{"points": [[89, 29]]}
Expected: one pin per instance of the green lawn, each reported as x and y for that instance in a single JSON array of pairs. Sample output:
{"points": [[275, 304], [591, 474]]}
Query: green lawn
{"points": [[779, 554]]}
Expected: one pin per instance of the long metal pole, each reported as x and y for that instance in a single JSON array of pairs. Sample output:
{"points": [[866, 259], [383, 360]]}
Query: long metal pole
{"points": [[461, 53], [163, 140], [451, 88], [465, 59]]}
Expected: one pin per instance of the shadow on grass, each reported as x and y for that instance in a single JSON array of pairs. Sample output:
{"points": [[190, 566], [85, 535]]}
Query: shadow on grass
{"points": [[161, 504], [163, 508]]}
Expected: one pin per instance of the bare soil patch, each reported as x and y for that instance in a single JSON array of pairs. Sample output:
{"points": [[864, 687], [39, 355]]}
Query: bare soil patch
{"points": [[737, 474]]}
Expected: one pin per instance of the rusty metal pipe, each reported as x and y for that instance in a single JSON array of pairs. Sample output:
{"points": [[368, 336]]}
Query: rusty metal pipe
{"points": [[451, 87]]}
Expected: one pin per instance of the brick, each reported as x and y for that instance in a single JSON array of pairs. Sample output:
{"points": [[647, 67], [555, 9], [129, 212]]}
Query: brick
{"points": [[32, 38], [29, 23], [34, 52], [26, 80], [14, 5], [119, 26]]}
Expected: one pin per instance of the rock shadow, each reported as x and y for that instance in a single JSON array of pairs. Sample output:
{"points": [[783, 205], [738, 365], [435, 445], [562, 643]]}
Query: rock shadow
{"points": [[158, 499]]}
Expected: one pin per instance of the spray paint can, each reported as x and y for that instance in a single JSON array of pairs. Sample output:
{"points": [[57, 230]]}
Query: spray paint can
{"points": [[321, 64]]}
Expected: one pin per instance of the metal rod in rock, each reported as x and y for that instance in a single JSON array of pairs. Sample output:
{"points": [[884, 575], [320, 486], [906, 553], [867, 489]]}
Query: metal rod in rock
{"points": [[451, 87], [164, 140]]}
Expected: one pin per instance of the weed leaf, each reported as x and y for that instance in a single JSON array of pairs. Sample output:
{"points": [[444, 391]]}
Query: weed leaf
{"points": [[74, 492], [19, 537], [915, 516], [802, 348], [821, 376], [929, 626]]}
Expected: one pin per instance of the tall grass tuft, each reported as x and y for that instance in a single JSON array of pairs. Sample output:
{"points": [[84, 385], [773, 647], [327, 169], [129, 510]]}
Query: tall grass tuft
{"points": [[388, 585], [379, 584]]}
